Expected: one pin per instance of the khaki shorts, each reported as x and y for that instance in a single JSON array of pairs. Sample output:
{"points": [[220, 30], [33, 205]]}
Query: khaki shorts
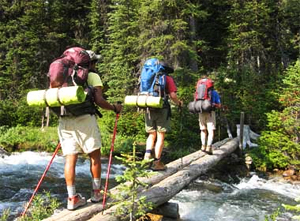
{"points": [[157, 120], [207, 121], [79, 134]]}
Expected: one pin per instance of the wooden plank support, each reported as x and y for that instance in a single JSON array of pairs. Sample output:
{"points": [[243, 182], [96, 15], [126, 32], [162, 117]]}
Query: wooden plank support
{"points": [[185, 163]]}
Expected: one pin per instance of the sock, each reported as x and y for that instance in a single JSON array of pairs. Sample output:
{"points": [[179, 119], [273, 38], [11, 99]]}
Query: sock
{"points": [[96, 183], [210, 138], [71, 191], [148, 151], [203, 138]]}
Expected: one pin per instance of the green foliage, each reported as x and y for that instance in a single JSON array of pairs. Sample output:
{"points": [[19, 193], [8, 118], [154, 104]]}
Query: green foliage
{"points": [[120, 54], [295, 208], [25, 138], [5, 215], [42, 207], [273, 216], [127, 196], [280, 144], [130, 128], [275, 151], [16, 112], [245, 91]]}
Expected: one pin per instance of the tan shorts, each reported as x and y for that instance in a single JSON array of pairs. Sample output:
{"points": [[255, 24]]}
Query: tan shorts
{"points": [[157, 120], [79, 134], [207, 121]]}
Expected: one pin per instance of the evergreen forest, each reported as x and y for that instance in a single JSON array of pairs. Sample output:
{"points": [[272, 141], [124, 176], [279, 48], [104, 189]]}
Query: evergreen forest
{"points": [[251, 49]]}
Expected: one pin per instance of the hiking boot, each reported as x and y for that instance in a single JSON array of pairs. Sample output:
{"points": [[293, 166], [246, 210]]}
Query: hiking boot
{"points": [[75, 202], [96, 196], [158, 166], [203, 148], [209, 150]]}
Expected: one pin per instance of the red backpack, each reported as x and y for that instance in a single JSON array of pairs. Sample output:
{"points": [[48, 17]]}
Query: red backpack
{"points": [[202, 97], [203, 89], [71, 68]]}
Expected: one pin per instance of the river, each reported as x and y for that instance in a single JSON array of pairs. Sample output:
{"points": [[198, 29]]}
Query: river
{"points": [[251, 198]]}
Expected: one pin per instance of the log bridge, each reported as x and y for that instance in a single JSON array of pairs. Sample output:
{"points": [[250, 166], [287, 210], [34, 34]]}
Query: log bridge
{"points": [[162, 186]]}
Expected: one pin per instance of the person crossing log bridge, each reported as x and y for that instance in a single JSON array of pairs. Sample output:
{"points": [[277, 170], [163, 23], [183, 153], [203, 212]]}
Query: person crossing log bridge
{"points": [[163, 185]]}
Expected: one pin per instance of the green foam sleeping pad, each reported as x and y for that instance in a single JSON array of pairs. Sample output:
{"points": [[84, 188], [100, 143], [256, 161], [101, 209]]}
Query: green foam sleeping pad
{"points": [[144, 101], [55, 97]]}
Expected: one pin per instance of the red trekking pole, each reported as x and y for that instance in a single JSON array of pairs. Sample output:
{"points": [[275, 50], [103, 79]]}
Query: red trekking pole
{"points": [[40, 182], [109, 161]]}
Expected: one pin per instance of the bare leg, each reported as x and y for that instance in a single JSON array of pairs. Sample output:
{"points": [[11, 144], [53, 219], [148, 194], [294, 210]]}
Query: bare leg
{"points": [[159, 144], [150, 144], [203, 139], [70, 165], [95, 164], [210, 141], [70, 174], [157, 164], [210, 137]]}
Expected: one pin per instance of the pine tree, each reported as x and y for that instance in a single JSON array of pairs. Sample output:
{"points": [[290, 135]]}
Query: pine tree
{"points": [[120, 56], [127, 197]]}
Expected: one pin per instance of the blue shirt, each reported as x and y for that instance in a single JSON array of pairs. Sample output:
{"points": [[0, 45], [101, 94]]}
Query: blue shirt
{"points": [[215, 97]]}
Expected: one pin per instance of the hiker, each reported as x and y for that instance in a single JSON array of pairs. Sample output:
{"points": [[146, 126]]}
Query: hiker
{"points": [[207, 119], [81, 134], [157, 120]]}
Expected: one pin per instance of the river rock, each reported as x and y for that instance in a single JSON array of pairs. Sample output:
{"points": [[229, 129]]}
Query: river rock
{"points": [[3, 153]]}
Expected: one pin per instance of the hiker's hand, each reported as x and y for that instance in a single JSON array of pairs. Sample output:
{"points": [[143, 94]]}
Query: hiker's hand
{"points": [[117, 107], [224, 108], [217, 105]]}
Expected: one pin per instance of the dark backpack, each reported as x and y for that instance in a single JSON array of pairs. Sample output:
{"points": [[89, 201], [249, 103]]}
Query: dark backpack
{"points": [[70, 69], [202, 97], [153, 78]]}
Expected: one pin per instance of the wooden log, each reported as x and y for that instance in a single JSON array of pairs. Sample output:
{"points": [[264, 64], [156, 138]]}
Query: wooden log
{"points": [[86, 212], [248, 135], [165, 190]]}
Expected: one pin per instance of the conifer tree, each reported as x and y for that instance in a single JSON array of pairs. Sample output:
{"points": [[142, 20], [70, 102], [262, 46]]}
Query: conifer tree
{"points": [[120, 55]]}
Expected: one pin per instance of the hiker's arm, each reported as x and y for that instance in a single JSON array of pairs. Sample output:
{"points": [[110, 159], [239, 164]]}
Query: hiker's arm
{"points": [[101, 102], [175, 99], [216, 101], [217, 105]]}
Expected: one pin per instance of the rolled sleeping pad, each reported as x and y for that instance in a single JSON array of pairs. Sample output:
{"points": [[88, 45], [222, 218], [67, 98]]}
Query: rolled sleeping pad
{"points": [[200, 106], [55, 97], [36, 98], [144, 101]]}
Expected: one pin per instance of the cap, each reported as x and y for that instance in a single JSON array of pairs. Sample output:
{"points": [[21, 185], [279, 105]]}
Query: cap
{"points": [[166, 67], [93, 55]]}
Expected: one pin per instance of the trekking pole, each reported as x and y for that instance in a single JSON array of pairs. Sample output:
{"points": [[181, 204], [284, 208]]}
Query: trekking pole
{"points": [[109, 162], [41, 179]]}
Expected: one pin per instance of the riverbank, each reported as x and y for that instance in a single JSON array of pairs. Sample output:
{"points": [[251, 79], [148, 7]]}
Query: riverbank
{"points": [[233, 168]]}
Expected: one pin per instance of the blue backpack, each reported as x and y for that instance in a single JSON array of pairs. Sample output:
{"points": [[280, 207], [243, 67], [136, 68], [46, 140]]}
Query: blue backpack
{"points": [[153, 77]]}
